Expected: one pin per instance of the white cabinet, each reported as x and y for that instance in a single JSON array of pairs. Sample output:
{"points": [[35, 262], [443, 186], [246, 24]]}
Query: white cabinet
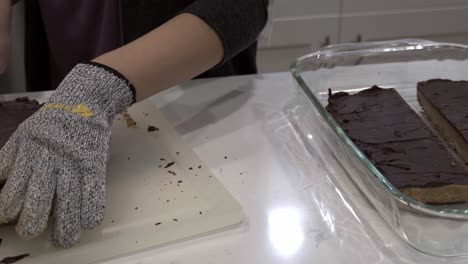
{"points": [[438, 20], [295, 28], [446, 24], [297, 8], [302, 23], [393, 5], [313, 32]]}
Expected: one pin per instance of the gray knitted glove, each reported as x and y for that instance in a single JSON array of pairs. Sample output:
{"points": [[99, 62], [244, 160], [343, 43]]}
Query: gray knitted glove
{"points": [[57, 158]]}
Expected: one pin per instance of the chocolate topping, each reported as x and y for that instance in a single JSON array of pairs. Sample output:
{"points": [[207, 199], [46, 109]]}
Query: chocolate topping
{"points": [[12, 114], [402, 147]]}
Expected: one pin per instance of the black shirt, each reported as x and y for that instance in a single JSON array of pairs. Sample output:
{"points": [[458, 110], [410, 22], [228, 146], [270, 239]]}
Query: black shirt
{"points": [[237, 23]]}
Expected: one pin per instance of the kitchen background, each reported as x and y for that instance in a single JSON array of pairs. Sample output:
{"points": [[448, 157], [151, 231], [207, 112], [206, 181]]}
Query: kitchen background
{"points": [[298, 27]]}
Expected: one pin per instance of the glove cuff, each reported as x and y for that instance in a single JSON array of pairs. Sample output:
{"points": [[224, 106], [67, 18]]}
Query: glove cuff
{"points": [[95, 90], [116, 73]]}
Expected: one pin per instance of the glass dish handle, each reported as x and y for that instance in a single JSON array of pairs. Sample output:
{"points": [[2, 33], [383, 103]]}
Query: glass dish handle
{"points": [[380, 46]]}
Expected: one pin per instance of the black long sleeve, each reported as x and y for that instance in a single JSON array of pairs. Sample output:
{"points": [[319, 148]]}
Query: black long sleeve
{"points": [[238, 23]]}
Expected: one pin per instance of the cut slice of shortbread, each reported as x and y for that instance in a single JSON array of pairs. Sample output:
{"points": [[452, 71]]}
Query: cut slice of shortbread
{"points": [[445, 103]]}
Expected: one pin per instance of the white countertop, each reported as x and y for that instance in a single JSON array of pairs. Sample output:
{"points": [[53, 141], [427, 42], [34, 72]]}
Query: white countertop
{"points": [[230, 117], [294, 214]]}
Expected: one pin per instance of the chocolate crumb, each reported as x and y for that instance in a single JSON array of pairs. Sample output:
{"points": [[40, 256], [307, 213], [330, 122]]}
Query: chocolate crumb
{"points": [[171, 172], [152, 129], [175, 220], [167, 201], [199, 166], [177, 153], [225, 157], [201, 212], [158, 223], [162, 159], [128, 158], [11, 260], [169, 165], [112, 221], [128, 120], [136, 208], [190, 168], [180, 182]]}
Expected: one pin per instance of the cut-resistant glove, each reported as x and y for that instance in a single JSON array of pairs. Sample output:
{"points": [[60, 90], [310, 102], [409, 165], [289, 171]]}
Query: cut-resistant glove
{"points": [[55, 162]]}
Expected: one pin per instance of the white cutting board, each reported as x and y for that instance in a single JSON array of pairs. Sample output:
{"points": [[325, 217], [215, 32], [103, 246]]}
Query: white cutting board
{"points": [[140, 195]]}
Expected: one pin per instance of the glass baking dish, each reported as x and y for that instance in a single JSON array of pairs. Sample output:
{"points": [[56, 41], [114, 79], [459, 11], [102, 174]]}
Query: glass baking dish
{"points": [[437, 230]]}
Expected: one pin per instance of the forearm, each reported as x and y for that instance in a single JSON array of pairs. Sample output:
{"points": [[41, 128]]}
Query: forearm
{"points": [[5, 17], [175, 52]]}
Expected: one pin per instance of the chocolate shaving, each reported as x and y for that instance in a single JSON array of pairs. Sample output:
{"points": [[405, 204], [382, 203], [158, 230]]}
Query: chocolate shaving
{"points": [[169, 165], [152, 129], [11, 260], [129, 120]]}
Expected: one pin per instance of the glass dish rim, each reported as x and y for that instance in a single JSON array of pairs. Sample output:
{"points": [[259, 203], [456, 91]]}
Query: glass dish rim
{"points": [[376, 48]]}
